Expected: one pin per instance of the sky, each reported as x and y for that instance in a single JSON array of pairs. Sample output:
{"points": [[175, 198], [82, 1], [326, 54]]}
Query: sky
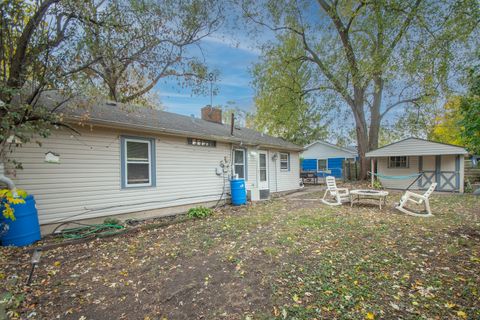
{"points": [[233, 60]]}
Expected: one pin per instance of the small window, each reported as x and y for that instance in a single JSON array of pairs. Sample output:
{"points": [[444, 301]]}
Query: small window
{"points": [[284, 161], [239, 163], [201, 142], [321, 164], [138, 166], [398, 162]]}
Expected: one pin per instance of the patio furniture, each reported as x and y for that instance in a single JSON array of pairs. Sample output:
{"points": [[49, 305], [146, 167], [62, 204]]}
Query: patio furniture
{"points": [[334, 196], [380, 196], [417, 199]]}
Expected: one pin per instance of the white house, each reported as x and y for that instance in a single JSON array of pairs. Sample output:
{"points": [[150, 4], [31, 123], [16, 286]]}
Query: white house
{"points": [[399, 164], [141, 162], [326, 158]]}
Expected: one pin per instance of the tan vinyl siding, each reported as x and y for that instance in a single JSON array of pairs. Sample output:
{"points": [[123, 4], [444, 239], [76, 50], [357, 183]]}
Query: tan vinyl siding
{"points": [[87, 181], [428, 163], [383, 169], [448, 163], [284, 180]]}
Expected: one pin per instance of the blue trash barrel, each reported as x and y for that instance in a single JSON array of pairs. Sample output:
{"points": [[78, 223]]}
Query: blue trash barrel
{"points": [[239, 194], [25, 229]]}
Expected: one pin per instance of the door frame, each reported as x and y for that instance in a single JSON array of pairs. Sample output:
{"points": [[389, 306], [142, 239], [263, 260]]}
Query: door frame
{"points": [[265, 185]]}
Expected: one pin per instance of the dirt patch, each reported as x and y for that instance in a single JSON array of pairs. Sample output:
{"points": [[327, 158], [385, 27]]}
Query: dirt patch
{"points": [[282, 257]]}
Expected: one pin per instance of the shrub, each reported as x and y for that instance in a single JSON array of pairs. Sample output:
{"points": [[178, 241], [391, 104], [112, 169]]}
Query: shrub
{"points": [[112, 221], [468, 186], [377, 184], [199, 212], [7, 199]]}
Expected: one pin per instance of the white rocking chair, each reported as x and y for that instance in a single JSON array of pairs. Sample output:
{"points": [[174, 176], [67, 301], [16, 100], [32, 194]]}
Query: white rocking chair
{"points": [[417, 199], [339, 195]]}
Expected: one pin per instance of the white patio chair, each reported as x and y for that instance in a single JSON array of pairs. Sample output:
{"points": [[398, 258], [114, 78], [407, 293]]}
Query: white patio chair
{"points": [[417, 199], [339, 195]]}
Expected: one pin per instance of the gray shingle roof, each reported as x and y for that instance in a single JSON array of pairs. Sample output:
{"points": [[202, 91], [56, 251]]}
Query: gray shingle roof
{"points": [[120, 115], [416, 147]]}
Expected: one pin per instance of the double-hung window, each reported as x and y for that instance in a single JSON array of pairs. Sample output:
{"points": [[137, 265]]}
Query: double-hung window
{"points": [[398, 162], [138, 162], [239, 163], [321, 164], [284, 161]]}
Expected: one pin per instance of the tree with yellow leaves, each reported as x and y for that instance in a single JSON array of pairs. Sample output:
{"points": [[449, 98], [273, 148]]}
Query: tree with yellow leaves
{"points": [[447, 128]]}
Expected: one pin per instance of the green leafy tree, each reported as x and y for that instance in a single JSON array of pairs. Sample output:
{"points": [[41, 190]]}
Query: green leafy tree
{"points": [[242, 117], [284, 105], [470, 110], [375, 56]]}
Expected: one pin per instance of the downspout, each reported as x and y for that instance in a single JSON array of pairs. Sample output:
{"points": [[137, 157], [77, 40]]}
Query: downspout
{"points": [[7, 181]]}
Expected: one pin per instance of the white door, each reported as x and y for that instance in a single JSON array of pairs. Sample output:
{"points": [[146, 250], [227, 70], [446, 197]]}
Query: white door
{"points": [[263, 170]]}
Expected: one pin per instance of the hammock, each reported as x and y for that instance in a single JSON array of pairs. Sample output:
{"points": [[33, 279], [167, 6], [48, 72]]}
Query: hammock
{"points": [[396, 177]]}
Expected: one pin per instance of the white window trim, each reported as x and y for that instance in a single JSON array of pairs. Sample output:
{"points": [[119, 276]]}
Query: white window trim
{"points": [[288, 161], [326, 165], [244, 163], [149, 143]]}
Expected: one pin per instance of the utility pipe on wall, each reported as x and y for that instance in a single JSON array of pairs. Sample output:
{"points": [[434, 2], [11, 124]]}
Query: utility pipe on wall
{"points": [[7, 181]]}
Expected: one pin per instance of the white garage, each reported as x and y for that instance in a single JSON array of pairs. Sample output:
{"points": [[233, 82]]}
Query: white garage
{"points": [[417, 163]]}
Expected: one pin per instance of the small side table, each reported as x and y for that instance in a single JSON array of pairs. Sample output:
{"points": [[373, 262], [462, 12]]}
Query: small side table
{"points": [[379, 196]]}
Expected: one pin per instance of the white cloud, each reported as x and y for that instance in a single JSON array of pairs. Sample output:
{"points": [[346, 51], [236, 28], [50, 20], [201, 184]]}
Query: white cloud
{"points": [[244, 44], [170, 94]]}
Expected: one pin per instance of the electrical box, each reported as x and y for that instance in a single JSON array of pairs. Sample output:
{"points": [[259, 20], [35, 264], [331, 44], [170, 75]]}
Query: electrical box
{"points": [[254, 194]]}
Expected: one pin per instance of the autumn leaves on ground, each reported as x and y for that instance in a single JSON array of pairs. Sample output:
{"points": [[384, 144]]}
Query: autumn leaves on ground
{"points": [[289, 258]]}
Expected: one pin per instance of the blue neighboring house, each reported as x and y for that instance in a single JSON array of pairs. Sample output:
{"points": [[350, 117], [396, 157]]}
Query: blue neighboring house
{"points": [[326, 159]]}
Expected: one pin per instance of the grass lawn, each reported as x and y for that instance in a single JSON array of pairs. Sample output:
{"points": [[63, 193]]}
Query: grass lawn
{"points": [[282, 259]]}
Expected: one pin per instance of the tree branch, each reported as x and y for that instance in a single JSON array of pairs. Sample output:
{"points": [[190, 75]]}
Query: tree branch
{"points": [[402, 30], [399, 102]]}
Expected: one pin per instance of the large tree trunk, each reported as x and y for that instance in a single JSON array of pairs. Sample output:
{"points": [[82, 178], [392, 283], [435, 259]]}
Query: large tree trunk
{"points": [[362, 139], [375, 116], [361, 130]]}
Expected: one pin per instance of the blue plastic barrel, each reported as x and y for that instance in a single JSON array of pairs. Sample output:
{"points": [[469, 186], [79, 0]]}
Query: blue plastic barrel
{"points": [[239, 194], [25, 229]]}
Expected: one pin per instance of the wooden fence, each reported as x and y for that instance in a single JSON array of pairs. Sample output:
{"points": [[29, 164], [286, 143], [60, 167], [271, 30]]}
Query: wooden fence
{"points": [[472, 173], [351, 170]]}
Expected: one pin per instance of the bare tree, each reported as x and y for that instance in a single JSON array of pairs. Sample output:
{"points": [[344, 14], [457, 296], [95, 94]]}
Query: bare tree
{"points": [[154, 44], [36, 55]]}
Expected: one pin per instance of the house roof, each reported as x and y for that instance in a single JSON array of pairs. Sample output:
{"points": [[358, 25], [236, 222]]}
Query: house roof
{"points": [[345, 149], [114, 114], [416, 147]]}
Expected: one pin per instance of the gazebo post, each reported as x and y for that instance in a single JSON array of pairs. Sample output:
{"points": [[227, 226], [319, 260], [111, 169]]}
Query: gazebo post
{"points": [[372, 171]]}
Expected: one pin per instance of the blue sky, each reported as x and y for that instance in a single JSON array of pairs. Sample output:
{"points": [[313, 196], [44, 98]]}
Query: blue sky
{"points": [[233, 61]]}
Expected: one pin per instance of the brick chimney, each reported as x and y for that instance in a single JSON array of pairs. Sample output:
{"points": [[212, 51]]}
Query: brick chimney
{"points": [[212, 114]]}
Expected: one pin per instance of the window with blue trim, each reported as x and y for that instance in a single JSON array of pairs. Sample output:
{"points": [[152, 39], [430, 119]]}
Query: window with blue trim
{"points": [[138, 162]]}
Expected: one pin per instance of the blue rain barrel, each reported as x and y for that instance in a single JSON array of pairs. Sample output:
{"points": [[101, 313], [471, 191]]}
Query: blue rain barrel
{"points": [[239, 194], [25, 229]]}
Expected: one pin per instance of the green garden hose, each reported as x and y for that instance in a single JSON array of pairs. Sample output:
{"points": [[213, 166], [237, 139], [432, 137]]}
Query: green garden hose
{"points": [[99, 230]]}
